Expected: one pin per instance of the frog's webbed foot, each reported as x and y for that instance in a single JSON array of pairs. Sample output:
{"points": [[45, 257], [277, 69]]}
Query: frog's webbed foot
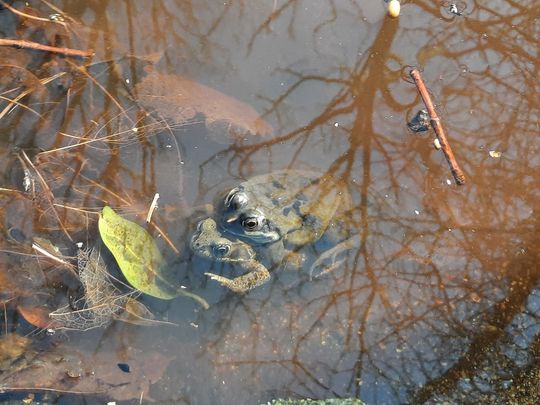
{"points": [[330, 260], [258, 275]]}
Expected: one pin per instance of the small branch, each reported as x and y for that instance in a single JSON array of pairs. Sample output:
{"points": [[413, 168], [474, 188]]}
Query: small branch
{"points": [[21, 43], [458, 174]]}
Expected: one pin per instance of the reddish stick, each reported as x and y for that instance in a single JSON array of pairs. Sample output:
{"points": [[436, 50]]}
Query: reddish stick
{"points": [[458, 174], [34, 45]]}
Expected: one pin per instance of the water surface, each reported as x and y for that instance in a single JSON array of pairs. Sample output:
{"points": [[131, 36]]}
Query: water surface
{"points": [[437, 303]]}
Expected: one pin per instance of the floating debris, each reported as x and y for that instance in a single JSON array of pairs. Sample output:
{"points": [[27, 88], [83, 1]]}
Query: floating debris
{"points": [[437, 143], [102, 300], [56, 17], [420, 122], [394, 8], [458, 174], [495, 154], [453, 9]]}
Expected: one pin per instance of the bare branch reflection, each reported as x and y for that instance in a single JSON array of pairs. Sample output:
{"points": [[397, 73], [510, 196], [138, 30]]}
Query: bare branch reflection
{"points": [[438, 299]]}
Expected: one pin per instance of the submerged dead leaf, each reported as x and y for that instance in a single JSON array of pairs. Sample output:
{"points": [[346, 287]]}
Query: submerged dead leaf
{"points": [[101, 300], [20, 280], [65, 370], [38, 316], [181, 100], [11, 347]]}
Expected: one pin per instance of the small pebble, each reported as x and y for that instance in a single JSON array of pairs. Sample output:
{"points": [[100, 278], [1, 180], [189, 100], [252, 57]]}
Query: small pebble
{"points": [[393, 8]]}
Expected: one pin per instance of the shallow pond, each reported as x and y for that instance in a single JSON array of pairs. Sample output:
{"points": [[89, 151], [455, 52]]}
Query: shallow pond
{"points": [[436, 301]]}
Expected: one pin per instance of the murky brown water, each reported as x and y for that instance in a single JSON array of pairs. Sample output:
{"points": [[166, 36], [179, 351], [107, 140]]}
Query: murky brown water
{"points": [[438, 302]]}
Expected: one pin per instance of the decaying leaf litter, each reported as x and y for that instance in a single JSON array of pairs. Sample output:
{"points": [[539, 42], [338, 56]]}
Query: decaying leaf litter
{"points": [[62, 157]]}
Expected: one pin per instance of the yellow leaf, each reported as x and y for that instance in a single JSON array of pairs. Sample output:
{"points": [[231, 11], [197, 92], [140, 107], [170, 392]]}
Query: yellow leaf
{"points": [[138, 257]]}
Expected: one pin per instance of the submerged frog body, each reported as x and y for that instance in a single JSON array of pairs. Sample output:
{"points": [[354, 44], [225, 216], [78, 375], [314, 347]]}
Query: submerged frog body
{"points": [[264, 222]]}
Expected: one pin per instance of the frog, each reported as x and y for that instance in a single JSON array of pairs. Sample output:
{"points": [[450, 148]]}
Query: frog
{"points": [[208, 242], [264, 222], [292, 206]]}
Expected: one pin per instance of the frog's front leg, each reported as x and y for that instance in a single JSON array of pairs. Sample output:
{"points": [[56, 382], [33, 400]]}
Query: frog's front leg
{"points": [[257, 275]]}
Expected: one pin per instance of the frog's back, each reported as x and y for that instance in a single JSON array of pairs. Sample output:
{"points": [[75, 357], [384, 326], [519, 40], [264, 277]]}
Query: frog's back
{"points": [[300, 205]]}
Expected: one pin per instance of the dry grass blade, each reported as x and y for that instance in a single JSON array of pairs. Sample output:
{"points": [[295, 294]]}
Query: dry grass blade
{"points": [[26, 163], [29, 16], [84, 71], [59, 11], [36, 246], [14, 102]]}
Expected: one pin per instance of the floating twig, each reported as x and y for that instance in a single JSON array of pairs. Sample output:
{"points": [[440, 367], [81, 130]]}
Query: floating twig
{"points": [[458, 174], [21, 43]]}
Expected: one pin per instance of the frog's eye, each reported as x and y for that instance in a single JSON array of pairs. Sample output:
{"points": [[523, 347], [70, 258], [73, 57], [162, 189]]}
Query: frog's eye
{"points": [[236, 199], [221, 251], [250, 223]]}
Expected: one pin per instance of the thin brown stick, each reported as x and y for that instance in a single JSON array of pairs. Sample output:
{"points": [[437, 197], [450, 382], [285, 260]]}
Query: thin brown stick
{"points": [[84, 71], [165, 237], [458, 174], [59, 11], [21, 43], [29, 16], [5, 389]]}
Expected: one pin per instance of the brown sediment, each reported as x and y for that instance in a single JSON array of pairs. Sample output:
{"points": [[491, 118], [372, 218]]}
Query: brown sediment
{"points": [[458, 174]]}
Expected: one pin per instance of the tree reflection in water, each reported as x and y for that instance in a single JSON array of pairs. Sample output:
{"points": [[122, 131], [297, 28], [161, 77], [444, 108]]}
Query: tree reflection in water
{"points": [[438, 302], [434, 306]]}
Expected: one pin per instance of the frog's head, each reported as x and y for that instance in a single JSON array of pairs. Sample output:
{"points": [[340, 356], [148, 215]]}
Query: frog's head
{"points": [[208, 242], [245, 216]]}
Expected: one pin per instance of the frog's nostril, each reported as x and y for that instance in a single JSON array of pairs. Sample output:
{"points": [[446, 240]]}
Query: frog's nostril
{"points": [[221, 250]]}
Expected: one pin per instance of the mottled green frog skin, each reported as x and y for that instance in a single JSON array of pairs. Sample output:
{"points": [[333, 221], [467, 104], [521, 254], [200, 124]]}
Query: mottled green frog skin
{"points": [[263, 222], [293, 206]]}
